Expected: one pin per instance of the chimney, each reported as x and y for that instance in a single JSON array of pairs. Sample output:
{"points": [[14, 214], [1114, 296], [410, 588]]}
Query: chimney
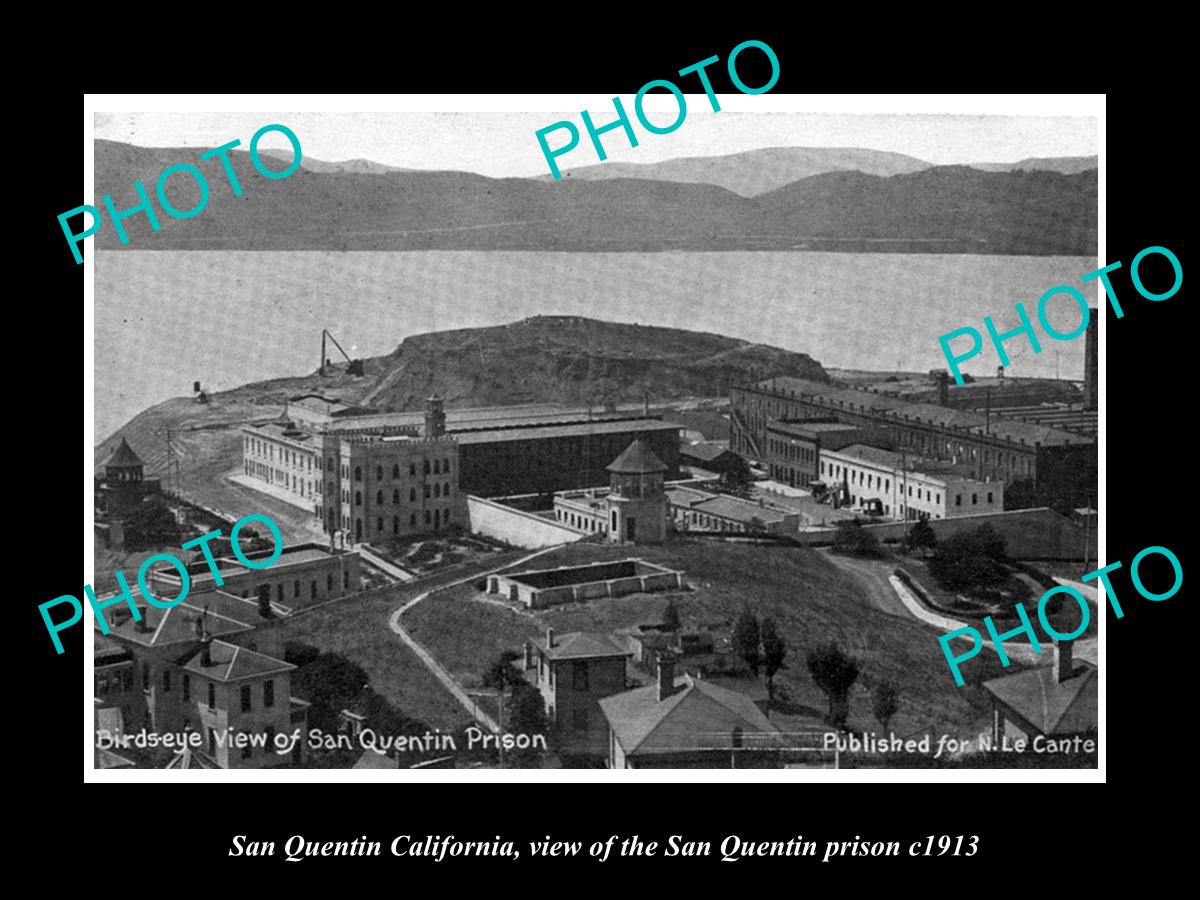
{"points": [[206, 651], [142, 625], [666, 676], [1064, 666], [528, 656], [1091, 358], [264, 603], [944, 388], [549, 638]]}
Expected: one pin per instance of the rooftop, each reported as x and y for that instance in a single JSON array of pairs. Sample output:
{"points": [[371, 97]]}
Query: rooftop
{"points": [[704, 450], [581, 645], [124, 456], [178, 624], [902, 411], [576, 429], [698, 716], [723, 505], [233, 663], [1050, 706], [902, 462], [637, 459]]}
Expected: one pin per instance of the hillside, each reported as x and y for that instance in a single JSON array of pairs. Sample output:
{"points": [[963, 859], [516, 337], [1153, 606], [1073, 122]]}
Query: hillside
{"points": [[752, 172], [545, 359], [943, 210], [1067, 165]]}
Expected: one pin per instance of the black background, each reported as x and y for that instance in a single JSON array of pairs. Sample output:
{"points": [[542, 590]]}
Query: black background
{"points": [[187, 831]]}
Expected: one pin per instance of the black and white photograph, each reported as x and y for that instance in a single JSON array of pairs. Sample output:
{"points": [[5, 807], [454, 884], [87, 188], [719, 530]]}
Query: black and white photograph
{"points": [[452, 435]]}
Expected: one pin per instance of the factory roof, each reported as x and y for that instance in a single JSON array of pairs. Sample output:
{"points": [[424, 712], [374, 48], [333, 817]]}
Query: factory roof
{"points": [[904, 411], [575, 429]]}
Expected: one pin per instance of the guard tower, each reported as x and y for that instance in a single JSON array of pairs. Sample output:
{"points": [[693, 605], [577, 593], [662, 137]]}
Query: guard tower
{"points": [[435, 417], [124, 465], [637, 504]]}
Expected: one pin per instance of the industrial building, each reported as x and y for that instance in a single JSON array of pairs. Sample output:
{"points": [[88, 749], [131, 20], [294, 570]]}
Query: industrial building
{"points": [[377, 475], [1040, 465]]}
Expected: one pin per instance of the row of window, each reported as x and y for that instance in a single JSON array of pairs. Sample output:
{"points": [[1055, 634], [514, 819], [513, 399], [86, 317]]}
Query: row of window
{"points": [[791, 451], [583, 523], [437, 518], [440, 489], [258, 447], [439, 467], [247, 700]]}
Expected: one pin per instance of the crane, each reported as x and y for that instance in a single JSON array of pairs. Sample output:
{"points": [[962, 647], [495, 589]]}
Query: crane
{"points": [[355, 366]]}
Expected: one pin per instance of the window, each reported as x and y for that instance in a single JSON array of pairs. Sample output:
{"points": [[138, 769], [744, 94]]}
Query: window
{"points": [[426, 467], [428, 517], [379, 524], [329, 582], [395, 470], [412, 495], [446, 489], [357, 473], [358, 498], [379, 498], [579, 676], [412, 470], [296, 588], [396, 497], [246, 702], [345, 580], [974, 499], [379, 473], [958, 499], [437, 489], [426, 492], [412, 520], [212, 696], [395, 524], [446, 466], [437, 467], [312, 589], [268, 694], [989, 497]]}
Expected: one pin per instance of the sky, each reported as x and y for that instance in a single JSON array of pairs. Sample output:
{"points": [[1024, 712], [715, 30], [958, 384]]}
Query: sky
{"points": [[503, 144]]}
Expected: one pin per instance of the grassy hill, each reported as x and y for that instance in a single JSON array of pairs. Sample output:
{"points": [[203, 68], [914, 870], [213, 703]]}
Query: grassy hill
{"points": [[951, 209], [544, 359]]}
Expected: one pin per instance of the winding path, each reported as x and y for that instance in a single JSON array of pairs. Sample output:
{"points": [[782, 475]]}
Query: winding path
{"points": [[439, 671]]}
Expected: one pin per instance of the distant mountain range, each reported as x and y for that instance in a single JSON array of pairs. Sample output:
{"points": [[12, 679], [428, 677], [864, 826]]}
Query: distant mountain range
{"points": [[948, 209]]}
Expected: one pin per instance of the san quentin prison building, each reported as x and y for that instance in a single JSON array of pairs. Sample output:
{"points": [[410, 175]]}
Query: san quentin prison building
{"points": [[377, 474], [1038, 464]]}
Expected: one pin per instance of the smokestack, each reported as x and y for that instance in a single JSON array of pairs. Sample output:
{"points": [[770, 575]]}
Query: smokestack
{"points": [[943, 388], [1091, 361], [549, 638], [142, 625], [666, 675], [1064, 665]]}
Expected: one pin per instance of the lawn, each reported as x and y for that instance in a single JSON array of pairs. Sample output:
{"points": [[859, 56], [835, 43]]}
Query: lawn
{"points": [[810, 600]]}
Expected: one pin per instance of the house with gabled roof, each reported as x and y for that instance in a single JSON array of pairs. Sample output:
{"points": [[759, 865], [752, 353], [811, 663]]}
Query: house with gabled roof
{"points": [[1059, 700], [686, 722]]}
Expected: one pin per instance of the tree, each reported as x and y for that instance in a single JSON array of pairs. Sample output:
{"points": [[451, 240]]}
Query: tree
{"points": [[834, 672], [969, 559], [670, 618], [746, 639], [502, 672], [855, 540], [774, 649], [330, 683], [150, 524], [921, 537], [885, 703]]}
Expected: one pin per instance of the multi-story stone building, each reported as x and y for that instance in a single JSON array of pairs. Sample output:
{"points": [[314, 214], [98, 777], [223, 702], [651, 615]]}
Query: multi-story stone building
{"points": [[793, 448], [1039, 464], [888, 484]]}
